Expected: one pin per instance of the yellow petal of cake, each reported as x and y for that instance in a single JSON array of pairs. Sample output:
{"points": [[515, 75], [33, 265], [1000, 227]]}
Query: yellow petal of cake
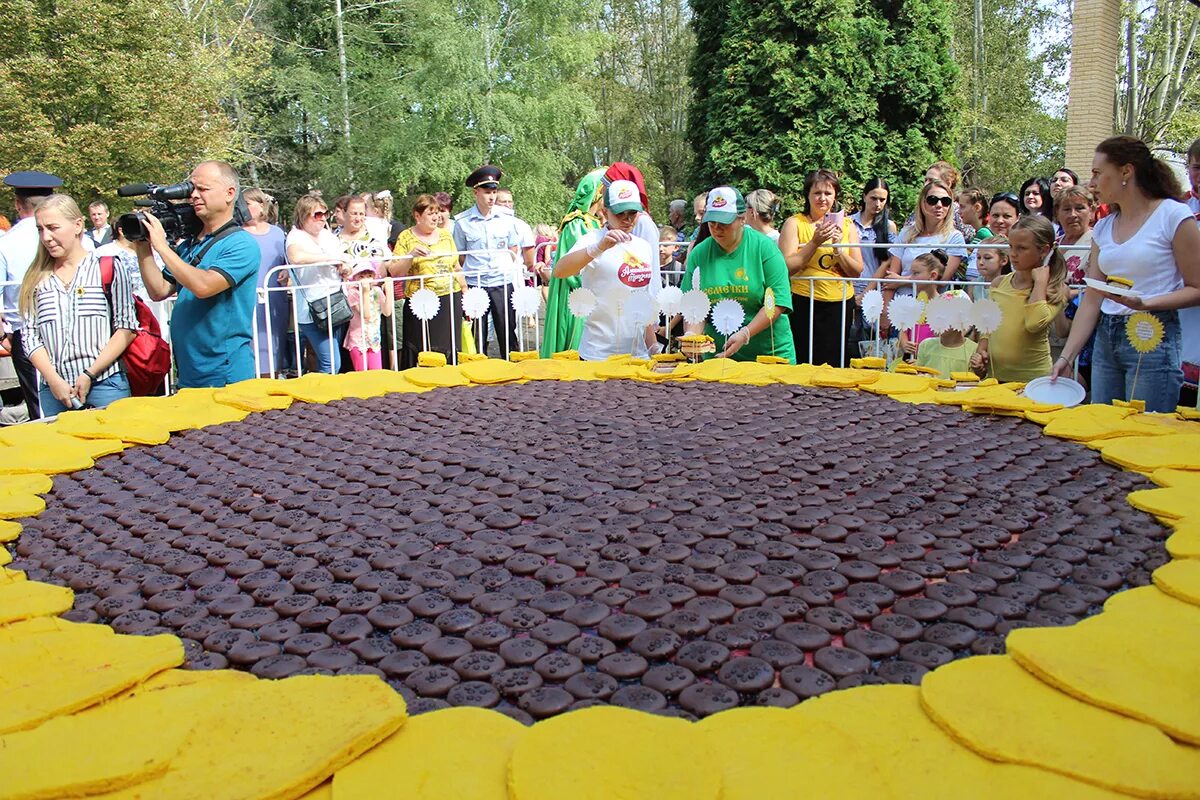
{"points": [[611, 753], [1180, 579], [761, 751], [1185, 541], [435, 376], [14, 505], [491, 371], [1146, 454], [34, 483], [1118, 662], [1172, 503], [455, 752], [270, 740], [894, 735], [62, 757], [22, 599], [1004, 713], [68, 670]]}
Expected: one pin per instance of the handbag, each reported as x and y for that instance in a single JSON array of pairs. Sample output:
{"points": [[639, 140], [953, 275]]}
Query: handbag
{"points": [[335, 306]]}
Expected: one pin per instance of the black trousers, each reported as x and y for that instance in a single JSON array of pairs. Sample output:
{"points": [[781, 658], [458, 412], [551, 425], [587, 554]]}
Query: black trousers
{"points": [[830, 330], [26, 376], [445, 331], [503, 319]]}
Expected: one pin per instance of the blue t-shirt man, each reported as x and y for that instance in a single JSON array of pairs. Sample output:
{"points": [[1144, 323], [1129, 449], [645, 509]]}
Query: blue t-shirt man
{"points": [[212, 336]]}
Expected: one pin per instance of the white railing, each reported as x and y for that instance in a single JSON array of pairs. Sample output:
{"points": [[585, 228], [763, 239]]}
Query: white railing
{"points": [[394, 288]]}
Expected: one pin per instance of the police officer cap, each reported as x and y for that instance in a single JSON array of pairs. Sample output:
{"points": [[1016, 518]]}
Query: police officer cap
{"points": [[486, 177], [31, 182]]}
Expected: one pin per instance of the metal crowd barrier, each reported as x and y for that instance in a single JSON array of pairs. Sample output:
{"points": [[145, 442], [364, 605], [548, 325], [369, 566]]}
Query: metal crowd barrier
{"points": [[395, 289]]}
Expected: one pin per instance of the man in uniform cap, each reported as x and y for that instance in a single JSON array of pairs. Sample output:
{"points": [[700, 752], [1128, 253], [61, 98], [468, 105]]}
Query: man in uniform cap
{"points": [[18, 248], [484, 227]]}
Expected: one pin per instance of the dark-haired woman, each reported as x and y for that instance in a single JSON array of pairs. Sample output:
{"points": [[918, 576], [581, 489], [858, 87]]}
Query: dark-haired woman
{"points": [[874, 226], [1036, 198], [818, 303], [1063, 179], [1150, 241]]}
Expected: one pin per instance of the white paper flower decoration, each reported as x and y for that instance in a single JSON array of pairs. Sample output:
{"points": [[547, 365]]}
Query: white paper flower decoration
{"points": [[614, 298], [962, 305], [694, 306], [526, 300], [669, 298], [639, 308], [476, 302], [581, 302], [872, 306], [425, 304], [940, 314], [727, 316], [696, 279], [986, 316], [905, 310]]}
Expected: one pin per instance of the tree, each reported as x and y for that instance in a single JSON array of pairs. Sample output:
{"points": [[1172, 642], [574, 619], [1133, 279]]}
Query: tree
{"points": [[1014, 110], [866, 87], [1159, 74], [104, 94]]}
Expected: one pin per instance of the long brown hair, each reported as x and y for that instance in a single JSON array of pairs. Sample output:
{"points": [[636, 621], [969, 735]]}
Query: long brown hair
{"points": [[43, 264], [1152, 175], [1057, 293]]}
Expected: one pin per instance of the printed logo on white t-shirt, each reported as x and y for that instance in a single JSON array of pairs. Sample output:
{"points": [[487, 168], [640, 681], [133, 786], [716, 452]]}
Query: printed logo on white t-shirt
{"points": [[633, 272]]}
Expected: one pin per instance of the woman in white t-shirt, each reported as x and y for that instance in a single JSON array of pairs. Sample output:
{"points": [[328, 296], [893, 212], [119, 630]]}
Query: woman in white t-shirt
{"points": [[613, 263], [309, 242], [1152, 241]]}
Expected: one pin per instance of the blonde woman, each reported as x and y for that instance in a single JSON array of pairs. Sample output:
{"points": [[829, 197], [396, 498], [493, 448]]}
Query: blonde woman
{"points": [[321, 264], [72, 336], [762, 206]]}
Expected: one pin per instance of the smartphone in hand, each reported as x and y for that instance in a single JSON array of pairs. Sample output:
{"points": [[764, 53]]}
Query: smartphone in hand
{"points": [[835, 218]]}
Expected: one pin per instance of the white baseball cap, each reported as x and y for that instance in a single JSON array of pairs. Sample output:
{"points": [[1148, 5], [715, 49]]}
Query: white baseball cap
{"points": [[725, 204], [623, 196]]}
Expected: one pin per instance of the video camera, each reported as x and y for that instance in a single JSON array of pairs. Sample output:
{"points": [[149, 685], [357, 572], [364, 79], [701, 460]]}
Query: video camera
{"points": [[179, 220]]}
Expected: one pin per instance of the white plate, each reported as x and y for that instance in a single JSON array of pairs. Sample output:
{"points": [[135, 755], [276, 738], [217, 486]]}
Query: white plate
{"points": [[1063, 392], [1119, 291]]}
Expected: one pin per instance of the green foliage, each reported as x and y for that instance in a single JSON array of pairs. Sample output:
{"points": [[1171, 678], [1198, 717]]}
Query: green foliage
{"points": [[1013, 119], [858, 86], [103, 94]]}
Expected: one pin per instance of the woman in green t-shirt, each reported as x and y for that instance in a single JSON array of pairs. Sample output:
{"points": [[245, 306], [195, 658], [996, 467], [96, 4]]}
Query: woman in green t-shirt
{"points": [[739, 263]]}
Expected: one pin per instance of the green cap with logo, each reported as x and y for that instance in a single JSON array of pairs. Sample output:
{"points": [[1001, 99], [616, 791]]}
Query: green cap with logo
{"points": [[725, 204]]}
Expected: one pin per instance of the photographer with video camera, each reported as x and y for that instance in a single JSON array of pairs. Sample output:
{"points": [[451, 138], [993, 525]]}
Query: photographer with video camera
{"points": [[212, 268]]}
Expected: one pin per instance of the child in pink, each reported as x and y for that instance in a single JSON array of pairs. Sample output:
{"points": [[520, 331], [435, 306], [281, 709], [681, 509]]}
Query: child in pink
{"points": [[367, 302]]}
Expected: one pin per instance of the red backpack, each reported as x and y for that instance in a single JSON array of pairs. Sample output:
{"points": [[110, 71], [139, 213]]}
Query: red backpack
{"points": [[148, 357]]}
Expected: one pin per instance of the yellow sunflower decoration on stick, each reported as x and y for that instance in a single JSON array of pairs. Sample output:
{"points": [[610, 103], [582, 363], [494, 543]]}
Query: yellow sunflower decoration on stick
{"points": [[1145, 333]]}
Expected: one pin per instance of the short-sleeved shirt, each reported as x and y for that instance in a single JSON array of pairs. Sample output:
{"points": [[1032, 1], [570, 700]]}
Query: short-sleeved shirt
{"points": [[1193, 204], [744, 275], [870, 255], [321, 280], [823, 264], [1147, 258], [611, 277], [932, 353], [212, 335], [953, 243], [496, 231], [439, 269]]}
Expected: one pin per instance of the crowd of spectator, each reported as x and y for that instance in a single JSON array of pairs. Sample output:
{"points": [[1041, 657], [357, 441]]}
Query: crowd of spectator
{"points": [[342, 288]]}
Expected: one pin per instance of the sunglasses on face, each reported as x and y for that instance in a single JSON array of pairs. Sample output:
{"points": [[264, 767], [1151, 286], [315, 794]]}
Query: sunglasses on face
{"points": [[319, 214], [933, 202]]}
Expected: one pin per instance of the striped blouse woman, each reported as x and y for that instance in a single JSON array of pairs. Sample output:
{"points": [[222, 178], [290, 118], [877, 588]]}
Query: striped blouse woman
{"points": [[72, 336]]}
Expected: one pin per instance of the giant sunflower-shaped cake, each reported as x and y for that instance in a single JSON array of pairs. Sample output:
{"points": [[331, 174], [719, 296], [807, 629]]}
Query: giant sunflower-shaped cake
{"points": [[554, 579]]}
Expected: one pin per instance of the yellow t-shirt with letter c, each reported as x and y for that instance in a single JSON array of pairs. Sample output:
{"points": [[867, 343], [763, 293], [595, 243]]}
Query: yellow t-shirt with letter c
{"points": [[823, 264]]}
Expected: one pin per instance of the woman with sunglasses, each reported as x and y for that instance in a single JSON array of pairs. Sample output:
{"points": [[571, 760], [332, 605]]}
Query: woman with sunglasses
{"points": [[933, 225], [321, 264]]}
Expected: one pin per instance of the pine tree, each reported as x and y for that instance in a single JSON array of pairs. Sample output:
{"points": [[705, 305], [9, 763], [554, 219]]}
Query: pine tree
{"points": [[863, 87]]}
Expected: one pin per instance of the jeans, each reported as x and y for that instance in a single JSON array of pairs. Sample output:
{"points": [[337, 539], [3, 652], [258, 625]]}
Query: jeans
{"points": [[1115, 362], [100, 395], [327, 350]]}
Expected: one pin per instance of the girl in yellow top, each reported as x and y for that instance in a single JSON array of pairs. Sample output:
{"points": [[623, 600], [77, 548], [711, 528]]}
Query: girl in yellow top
{"points": [[1030, 297], [427, 249], [803, 242]]}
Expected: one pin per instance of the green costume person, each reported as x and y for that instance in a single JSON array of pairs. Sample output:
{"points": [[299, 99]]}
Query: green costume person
{"points": [[562, 328]]}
